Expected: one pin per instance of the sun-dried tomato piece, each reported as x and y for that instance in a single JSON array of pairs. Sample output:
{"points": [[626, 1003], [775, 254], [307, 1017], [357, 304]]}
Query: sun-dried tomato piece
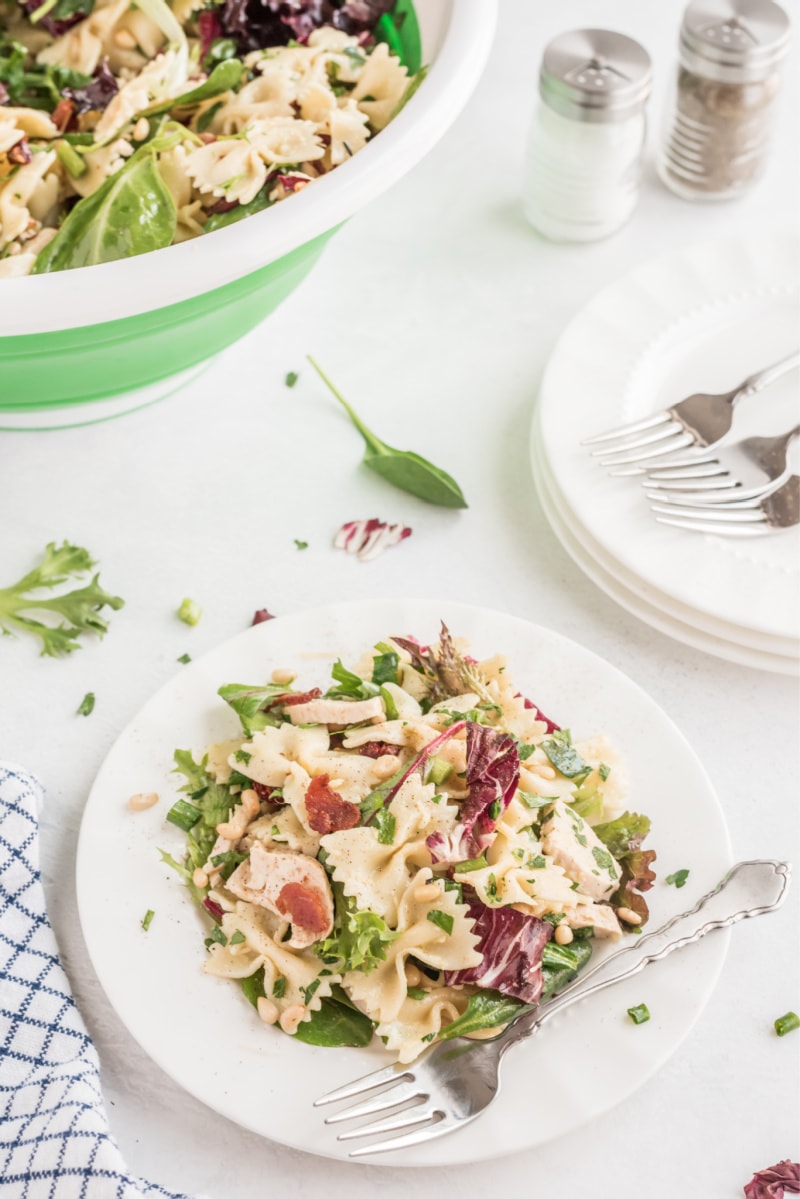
{"points": [[20, 153], [327, 811], [265, 792], [376, 749], [63, 114], [304, 907]]}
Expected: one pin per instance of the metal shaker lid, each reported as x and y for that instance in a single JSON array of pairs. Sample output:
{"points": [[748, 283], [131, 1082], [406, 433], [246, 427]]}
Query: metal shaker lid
{"points": [[734, 41], [595, 75]]}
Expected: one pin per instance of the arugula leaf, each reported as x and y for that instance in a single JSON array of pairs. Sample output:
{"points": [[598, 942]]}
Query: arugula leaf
{"points": [[132, 212], [402, 468], [212, 802], [564, 756], [86, 707], [350, 684], [359, 940], [224, 77], [253, 987], [485, 1009], [248, 704], [80, 609]]}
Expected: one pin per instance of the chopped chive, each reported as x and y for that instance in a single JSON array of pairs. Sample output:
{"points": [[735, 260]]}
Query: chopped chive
{"points": [[442, 919], [470, 864], [495, 809], [71, 159], [86, 706], [537, 862], [678, 878], [301, 545], [148, 920], [291, 378], [184, 658], [190, 611], [237, 938], [184, 815], [787, 1023], [639, 1014], [439, 771], [416, 992]]}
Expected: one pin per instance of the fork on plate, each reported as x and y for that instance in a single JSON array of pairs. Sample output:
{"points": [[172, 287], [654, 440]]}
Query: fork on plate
{"points": [[700, 420], [457, 1080], [743, 470], [775, 509]]}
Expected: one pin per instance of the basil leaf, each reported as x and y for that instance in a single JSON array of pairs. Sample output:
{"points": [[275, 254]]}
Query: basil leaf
{"points": [[486, 1009], [564, 756], [335, 1024], [132, 212], [225, 76], [402, 468]]}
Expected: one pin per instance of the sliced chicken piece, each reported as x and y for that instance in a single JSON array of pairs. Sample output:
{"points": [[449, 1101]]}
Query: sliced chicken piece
{"points": [[337, 711], [570, 842], [598, 916], [291, 885]]}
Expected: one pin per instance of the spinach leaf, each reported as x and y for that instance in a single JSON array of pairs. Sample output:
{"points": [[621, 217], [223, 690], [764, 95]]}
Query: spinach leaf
{"points": [[219, 220], [336, 1024], [132, 212], [253, 987], [402, 468], [486, 1009], [556, 977], [225, 76]]}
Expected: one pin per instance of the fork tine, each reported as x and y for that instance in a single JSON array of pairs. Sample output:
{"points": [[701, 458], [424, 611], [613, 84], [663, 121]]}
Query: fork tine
{"points": [[366, 1083], [637, 426], [426, 1133], [731, 497], [715, 483], [679, 442], [717, 527], [687, 469], [412, 1118], [724, 513], [381, 1103], [664, 431]]}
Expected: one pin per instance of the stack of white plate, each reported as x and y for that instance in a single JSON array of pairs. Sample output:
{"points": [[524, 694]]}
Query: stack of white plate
{"points": [[698, 321]]}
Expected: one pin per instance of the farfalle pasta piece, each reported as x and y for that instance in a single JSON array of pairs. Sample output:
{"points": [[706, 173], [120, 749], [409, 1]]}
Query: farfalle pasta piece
{"points": [[17, 194], [268, 95], [421, 1019], [154, 82], [434, 928], [83, 46], [380, 86], [231, 170], [281, 140], [348, 130], [101, 163]]}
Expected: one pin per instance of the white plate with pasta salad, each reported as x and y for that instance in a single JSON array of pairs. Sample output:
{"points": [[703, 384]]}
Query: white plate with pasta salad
{"points": [[385, 823]]}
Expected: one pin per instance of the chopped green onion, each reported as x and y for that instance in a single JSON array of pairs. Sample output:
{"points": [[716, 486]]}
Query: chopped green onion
{"points": [[470, 864], [442, 919], [75, 164], [495, 809], [538, 862], [639, 1014], [385, 822], [190, 611], [416, 992], [525, 751], [184, 815], [86, 706], [389, 704], [439, 771], [148, 920], [184, 658], [301, 545], [678, 878], [787, 1023], [291, 378]]}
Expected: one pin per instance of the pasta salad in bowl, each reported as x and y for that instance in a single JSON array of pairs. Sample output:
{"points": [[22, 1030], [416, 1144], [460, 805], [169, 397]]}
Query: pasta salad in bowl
{"points": [[418, 852]]}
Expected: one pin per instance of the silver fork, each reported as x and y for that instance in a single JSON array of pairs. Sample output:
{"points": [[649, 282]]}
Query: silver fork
{"points": [[741, 471], [699, 420], [456, 1081], [776, 509]]}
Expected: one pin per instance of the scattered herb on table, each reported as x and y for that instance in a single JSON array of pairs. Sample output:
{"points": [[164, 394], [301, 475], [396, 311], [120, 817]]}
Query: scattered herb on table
{"points": [[401, 468], [184, 658], [639, 1014], [291, 378], [190, 612], [787, 1023], [86, 706], [148, 919], [79, 609], [301, 545], [678, 878]]}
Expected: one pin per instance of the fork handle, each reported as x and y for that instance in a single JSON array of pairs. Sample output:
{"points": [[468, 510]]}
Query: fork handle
{"points": [[761, 379], [748, 889]]}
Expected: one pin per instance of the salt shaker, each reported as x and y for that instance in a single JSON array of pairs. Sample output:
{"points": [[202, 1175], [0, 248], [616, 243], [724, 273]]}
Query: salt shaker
{"points": [[728, 81], [587, 136]]}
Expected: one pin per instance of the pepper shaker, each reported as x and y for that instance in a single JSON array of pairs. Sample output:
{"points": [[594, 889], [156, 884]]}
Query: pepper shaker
{"points": [[587, 136], [728, 81]]}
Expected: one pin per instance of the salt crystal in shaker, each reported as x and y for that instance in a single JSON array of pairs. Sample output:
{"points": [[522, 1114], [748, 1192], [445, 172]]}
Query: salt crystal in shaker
{"points": [[587, 136], [728, 81]]}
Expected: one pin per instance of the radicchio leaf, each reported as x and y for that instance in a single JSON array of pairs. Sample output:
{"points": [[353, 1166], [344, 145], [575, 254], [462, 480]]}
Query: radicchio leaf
{"points": [[95, 95], [255, 24], [511, 944], [360, 16], [209, 28], [62, 17], [774, 1182], [492, 778], [530, 706], [445, 671]]}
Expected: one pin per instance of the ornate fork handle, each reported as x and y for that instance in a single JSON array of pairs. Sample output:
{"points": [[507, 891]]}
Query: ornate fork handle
{"points": [[748, 889]]}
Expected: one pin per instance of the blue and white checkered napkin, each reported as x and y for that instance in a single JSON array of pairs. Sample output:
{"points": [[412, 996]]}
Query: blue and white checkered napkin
{"points": [[55, 1141]]}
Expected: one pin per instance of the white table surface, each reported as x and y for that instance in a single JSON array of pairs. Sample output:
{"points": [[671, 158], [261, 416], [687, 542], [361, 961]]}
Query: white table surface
{"points": [[434, 310]]}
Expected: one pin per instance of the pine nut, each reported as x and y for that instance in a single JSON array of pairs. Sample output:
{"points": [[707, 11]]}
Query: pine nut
{"points": [[563, 934], [283, 676], [142, 801], [413, 975], [200, 878], [267, 1010], [545, 772], [386, 765], [427, 893], [141, 129], [292, 1017], [125, 39], [628, 916]]}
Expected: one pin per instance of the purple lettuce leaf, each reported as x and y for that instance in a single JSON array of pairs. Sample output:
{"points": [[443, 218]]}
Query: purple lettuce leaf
{"points": [[774, 1182], [552, 727], [512, 945], [61, 18], [360, 16], [255, 24], [492, 778], [95, 95]]}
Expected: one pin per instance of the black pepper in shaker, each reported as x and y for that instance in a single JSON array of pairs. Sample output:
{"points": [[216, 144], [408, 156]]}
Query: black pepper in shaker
{"points": [[728, 81]]}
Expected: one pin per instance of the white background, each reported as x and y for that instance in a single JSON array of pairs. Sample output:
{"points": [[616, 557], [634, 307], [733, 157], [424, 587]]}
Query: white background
{"points": [[434, 310]]}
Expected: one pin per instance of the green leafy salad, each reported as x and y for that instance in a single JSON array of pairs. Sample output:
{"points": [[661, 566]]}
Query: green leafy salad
{"points": [[417, 852]]}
